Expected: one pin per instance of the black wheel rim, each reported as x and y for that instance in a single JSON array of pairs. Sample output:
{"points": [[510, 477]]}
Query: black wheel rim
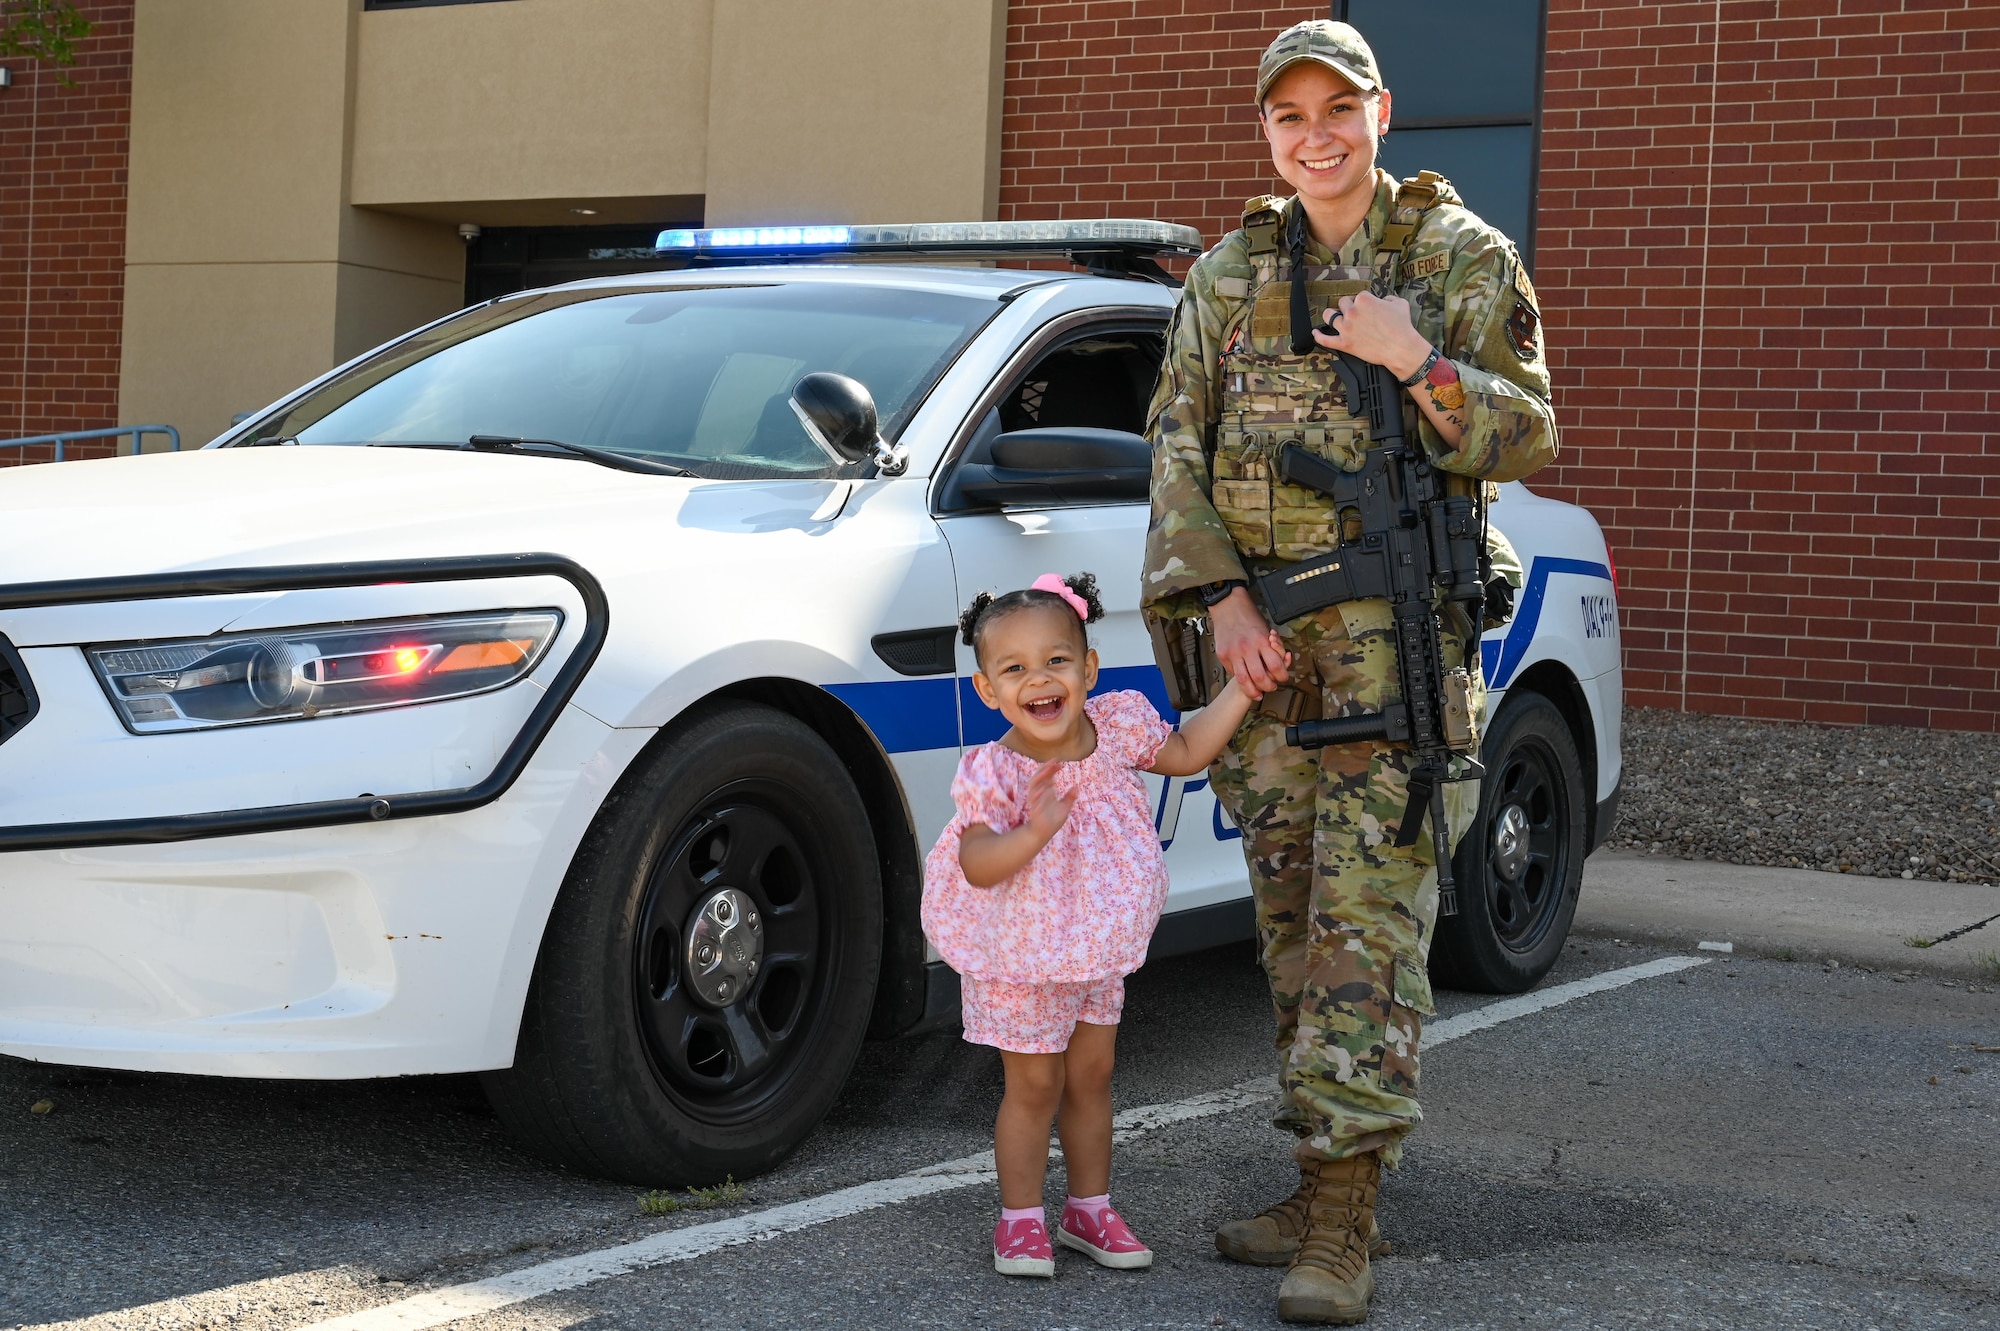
{"points": [[1527, 850], [726, 1064]]}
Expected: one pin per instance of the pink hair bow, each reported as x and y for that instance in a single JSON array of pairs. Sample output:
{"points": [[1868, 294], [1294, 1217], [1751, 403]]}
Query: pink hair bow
{"points": [[1050, 582]]}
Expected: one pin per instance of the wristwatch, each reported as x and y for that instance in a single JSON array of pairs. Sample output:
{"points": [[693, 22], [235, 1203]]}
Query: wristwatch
{"points": [[1423, 369], [1215, 593]]}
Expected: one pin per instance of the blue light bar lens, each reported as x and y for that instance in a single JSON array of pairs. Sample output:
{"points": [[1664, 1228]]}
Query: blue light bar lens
{"points": [[754, 237], [765, 237], [944, 237]]}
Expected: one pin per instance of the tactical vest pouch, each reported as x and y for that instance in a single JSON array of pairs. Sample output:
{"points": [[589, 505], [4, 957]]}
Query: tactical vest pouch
{"points": [[1268, 401], [1185, 652], [1271, 317], [1240, 486]]}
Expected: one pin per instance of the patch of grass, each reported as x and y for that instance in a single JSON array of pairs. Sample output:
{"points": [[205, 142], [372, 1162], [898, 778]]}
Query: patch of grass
{"points": [[1989, 966], [1785, 954], [726, 1193], [660, 1201], [1915, 940]]}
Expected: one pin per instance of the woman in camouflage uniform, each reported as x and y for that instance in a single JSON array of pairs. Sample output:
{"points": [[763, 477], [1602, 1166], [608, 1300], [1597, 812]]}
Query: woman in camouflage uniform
{"points": [[1409, 279]]}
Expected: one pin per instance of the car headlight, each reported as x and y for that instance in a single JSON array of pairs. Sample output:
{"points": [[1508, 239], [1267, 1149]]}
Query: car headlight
{"points": [[294, 673]]}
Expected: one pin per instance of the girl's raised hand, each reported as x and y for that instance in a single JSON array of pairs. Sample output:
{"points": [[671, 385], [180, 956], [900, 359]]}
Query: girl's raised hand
{"points": [[1047, 809]]}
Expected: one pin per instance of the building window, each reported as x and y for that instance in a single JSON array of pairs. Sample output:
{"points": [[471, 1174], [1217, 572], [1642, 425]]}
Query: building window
{"points": [[506, 259], [1467, 79], [419, 4]]}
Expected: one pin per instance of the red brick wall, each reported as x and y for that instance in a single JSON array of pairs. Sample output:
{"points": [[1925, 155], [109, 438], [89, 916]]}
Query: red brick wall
{"points": [[1137, 108], [62, 237], [1793, 459], [1771, 296]]}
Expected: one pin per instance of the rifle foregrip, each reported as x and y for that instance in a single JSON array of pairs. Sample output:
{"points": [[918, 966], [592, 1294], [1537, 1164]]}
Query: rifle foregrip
{"points": [[1337, 730]]}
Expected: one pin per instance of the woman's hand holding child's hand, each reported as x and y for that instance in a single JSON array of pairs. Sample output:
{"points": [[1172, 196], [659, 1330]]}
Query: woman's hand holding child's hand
{"points": [[1279, 673], [1202, 735]]}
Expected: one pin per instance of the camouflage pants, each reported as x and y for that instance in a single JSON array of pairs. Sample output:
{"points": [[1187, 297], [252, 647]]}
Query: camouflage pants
{"points": [[1344, 915]]}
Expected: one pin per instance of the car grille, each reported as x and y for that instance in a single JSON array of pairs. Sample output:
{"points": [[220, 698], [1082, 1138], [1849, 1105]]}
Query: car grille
{"points": [[17, 695]]}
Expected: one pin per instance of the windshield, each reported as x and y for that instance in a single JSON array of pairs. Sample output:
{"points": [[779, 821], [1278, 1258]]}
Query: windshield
{"points": [[699, 377]]}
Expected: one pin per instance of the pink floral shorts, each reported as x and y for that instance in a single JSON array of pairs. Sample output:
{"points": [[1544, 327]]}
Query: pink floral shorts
{"points": [[1036, 1018]]}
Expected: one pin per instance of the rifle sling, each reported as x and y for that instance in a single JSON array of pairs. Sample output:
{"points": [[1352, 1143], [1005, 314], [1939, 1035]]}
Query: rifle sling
{"points": [[1295, 239]]}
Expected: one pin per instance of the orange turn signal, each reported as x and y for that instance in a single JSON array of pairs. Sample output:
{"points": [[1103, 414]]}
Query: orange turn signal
{"points": [[485, 655]]}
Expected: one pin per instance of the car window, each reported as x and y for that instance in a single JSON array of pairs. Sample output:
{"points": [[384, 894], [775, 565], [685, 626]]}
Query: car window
{"points": [[697, 376], [1104, 381]]}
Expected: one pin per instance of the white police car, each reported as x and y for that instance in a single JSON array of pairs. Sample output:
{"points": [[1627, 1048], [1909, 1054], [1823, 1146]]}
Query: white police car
{"points": [[568, 692]]}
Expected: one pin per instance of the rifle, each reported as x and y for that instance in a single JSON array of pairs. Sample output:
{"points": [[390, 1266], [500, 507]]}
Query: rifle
{"points": [[1420, 549]]}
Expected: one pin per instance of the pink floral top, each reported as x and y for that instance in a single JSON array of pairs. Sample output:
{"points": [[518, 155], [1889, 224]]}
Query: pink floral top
{"points": [[1084, 908]]}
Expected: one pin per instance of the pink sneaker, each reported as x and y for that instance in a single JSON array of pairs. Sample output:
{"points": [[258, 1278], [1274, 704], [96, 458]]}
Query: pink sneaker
{"points": [[1021, 1248], [1106, 1237]]}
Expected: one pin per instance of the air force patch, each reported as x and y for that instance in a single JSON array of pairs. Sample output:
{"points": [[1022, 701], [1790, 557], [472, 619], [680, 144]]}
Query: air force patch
{"points": [[1524, 325]]}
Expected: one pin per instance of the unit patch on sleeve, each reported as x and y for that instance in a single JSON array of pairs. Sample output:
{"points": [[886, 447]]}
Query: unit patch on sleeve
{"points": [[1524, 286], [1523, 326]]}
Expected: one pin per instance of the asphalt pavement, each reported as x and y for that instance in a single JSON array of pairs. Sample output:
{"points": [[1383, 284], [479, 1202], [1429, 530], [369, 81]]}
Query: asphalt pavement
{"points": [[1745, 1142]]}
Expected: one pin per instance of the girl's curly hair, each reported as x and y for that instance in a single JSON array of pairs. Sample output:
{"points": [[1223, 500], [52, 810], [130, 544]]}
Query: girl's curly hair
{"points": [[986, 607]]}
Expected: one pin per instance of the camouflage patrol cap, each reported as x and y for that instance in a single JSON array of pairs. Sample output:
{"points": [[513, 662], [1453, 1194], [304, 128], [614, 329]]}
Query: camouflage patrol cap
{"points": [[1336, 45]]}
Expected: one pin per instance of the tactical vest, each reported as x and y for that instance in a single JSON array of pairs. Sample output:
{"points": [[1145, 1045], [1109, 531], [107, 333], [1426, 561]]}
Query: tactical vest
{"points": [[1271, 397]]}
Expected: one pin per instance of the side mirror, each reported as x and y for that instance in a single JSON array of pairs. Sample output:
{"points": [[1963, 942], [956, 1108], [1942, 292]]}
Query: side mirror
{"points": [[838, 413], [1059, 465]]}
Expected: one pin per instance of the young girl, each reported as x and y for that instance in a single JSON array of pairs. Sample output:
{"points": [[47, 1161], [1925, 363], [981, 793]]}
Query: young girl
{"points": [[1042, 894]]}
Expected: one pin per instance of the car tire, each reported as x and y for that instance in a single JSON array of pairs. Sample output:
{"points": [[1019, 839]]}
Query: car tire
{"points": [[652, 1050], [1520, 865]]}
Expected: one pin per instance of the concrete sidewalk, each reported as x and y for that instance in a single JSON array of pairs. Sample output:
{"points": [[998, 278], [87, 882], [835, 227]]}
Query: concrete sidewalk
{"points": [[1791, 913]]}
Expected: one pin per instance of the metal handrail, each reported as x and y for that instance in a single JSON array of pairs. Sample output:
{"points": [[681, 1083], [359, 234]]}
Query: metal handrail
{"points": [[136, 431]]}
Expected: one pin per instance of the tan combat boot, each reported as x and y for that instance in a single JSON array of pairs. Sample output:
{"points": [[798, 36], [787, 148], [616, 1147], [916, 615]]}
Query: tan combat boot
{"points": [[1271, 1238], [1329, 1281]]}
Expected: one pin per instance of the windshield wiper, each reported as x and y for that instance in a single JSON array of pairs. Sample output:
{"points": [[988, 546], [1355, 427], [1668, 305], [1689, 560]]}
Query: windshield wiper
{"points": [[500, 443]]}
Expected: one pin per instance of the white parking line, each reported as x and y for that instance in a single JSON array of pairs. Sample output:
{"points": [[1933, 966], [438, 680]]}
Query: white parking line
{"points": [[1465, 1023], [452, 1302]]}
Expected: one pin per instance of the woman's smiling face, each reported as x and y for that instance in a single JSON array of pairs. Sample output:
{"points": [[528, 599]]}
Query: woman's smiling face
{"points": [[1036, 669], [1323, 133]]}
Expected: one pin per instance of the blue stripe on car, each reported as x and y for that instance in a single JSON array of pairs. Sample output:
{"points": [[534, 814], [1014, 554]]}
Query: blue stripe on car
{"points": [[941, 712], [1501, 659], [907, 715]]}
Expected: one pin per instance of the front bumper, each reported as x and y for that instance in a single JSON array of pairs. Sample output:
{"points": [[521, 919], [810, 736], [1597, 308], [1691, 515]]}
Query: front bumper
{"points": [[377, 949]]}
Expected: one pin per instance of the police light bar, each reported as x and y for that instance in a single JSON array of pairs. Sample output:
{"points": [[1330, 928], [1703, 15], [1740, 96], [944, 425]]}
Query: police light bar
{"points": [[1108, 236]]}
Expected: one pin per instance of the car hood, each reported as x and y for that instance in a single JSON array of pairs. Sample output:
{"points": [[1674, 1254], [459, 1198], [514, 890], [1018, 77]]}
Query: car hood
{"points": [[237, 508]]}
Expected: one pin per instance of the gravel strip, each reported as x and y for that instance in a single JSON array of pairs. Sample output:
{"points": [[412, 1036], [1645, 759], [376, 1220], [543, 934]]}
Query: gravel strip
{"points": [[1889, 801]]}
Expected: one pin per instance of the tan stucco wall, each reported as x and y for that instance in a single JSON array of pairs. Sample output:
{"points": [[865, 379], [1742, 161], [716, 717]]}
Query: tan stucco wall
{"points": [[415, 271], [237, 133], [564, 100], [246, 271], [203, 341], [861, 111], [299, 167]]}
